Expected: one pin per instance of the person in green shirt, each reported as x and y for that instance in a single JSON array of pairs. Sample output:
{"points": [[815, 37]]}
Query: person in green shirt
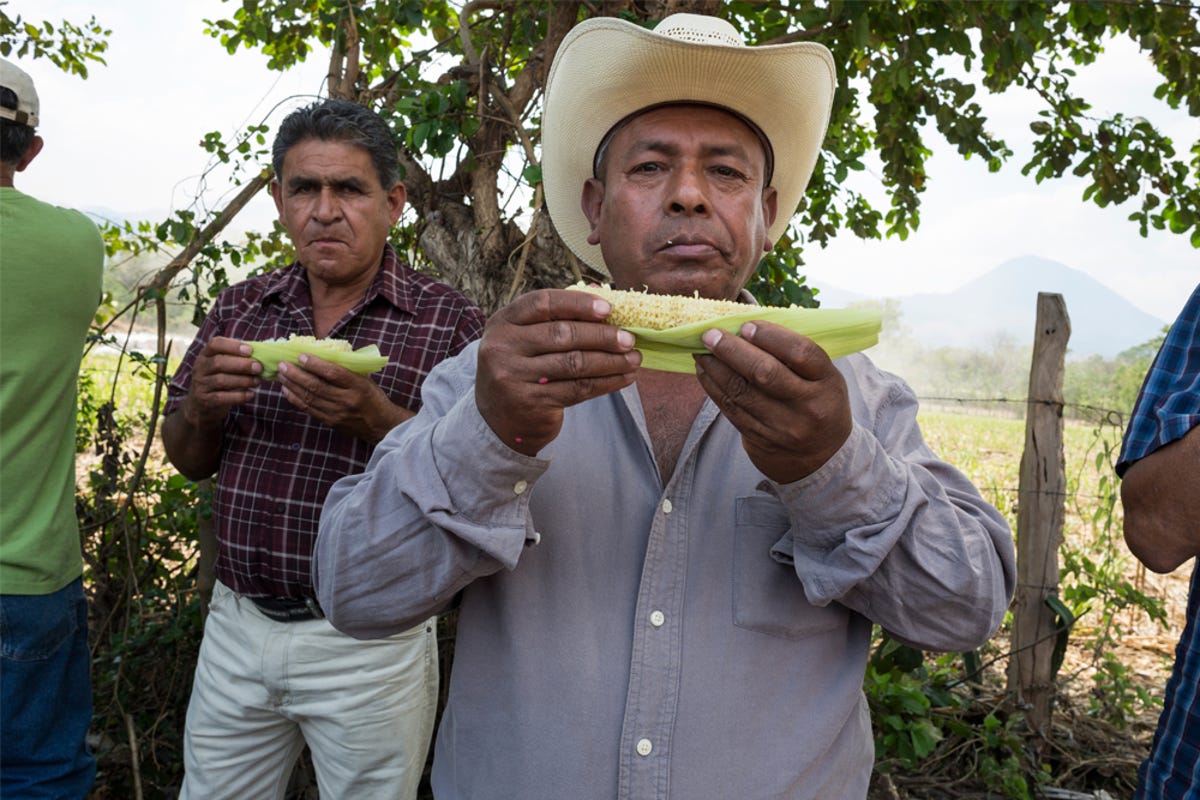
{"points": [[51, 260]]}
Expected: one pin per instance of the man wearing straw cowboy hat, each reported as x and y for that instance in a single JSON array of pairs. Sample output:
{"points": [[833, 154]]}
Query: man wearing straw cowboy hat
{"points": [[666, 582]]}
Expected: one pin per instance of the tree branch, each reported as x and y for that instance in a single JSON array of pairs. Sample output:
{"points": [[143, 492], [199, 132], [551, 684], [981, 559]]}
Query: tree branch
{"points": [[162, 279]]}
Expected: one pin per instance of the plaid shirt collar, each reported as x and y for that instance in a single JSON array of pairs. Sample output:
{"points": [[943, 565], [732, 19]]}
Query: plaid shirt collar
{"points": [[291, 287]]}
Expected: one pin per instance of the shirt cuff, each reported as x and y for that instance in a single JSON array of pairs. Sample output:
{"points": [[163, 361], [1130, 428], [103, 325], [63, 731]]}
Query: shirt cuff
{"points": [[487, 482]]}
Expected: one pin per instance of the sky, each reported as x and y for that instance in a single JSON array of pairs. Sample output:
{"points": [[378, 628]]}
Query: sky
{"points": [[125, 144]]}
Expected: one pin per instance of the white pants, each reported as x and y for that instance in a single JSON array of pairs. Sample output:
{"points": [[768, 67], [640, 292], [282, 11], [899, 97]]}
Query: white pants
{"points": [[263, 689]]}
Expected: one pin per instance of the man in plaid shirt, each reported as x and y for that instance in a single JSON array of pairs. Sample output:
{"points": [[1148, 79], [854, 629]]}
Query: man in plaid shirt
{"points": [[273, 675], [1160, 467]]}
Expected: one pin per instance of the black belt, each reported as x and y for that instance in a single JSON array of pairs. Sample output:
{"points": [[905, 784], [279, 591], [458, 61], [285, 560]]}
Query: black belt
{"points": [[288, 609]]}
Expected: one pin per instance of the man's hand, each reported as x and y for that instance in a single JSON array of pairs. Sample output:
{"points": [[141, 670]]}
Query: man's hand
{"points": [[547, 350], [223, 376], [347, 402], [784, 395]]}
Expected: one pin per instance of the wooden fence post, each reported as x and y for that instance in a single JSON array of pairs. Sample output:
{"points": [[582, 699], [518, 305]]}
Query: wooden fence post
{"points": [[1040, 503]]}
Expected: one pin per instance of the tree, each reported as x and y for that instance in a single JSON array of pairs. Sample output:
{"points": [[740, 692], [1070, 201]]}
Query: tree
{"points": [[463, 81]]}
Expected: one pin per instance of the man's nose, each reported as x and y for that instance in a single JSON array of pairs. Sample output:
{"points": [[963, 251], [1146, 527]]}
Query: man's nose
{"points": [[688, 193], [327, 208]]}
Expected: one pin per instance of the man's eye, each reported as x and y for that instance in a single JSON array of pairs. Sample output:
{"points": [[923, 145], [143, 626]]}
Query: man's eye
{"points": [[650, 166]]}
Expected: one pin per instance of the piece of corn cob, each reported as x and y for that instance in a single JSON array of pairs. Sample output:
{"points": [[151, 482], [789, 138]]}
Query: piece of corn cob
{"points": [[660, 311], [668, 329], [270, 352], [330, 345]]}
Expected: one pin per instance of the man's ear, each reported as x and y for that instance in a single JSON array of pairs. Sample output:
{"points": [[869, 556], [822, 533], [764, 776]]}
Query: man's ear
{"points": [[277, 196], [770, 207], [396, 198], [35, 147], [592, 202]]}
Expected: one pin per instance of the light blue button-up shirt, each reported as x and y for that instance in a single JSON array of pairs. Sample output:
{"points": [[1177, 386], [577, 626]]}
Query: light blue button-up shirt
{"points": [[619, 638]]}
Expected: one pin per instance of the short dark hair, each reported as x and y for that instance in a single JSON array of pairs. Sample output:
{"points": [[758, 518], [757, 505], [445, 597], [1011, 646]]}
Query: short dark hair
{"points": [[15, 139], [340, 121]]}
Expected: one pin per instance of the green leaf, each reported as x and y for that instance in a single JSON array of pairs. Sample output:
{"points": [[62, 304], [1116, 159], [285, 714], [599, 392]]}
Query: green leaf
{"points": [[532, 174]]}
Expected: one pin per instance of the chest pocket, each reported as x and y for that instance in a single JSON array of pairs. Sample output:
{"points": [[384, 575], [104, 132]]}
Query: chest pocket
{"points": [[767, 594]]}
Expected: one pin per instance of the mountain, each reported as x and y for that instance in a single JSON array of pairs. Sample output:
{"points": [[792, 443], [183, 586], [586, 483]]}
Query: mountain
{"points": [[1003, 304]]}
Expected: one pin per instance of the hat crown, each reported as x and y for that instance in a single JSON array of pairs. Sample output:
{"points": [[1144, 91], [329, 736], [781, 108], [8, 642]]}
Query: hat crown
{"points": [[700, 29], [20, 84]]}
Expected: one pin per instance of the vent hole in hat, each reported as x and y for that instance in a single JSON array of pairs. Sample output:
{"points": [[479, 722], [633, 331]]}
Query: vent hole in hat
{"points": [[699, 37]]}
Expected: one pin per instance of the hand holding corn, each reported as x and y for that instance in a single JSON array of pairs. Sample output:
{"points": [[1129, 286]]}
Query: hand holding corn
{"points": [[223, 376], [547, 350], [783, 394], [343, 399], [551, 349]]}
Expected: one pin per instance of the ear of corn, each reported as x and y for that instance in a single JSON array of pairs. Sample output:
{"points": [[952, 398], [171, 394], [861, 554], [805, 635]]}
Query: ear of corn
{"points": [[270, 353], [660, 311], [667, 328]]}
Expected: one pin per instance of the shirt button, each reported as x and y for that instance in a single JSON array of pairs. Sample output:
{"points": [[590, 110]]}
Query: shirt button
{"points": [[644, 747], [520, 486], [657, 618], [666, 506]]}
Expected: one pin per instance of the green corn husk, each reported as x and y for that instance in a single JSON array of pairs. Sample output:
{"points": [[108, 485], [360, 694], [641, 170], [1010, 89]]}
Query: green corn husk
{"points": [[838, 331], [363, 361]]}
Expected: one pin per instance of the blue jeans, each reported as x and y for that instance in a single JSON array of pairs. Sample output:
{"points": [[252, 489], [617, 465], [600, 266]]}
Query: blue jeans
{"points": [[45, 695]]}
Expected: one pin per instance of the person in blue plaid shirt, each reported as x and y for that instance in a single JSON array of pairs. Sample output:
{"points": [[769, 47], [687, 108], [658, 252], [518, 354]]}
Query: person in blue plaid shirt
{"points": [[1160, 490]]}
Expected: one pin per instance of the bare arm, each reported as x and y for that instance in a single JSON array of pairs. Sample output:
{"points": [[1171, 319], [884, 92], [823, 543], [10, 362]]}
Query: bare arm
{"points": [[1161, 497]]}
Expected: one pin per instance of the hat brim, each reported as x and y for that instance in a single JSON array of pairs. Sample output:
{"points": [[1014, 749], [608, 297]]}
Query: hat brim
{"points": [[607, 69]]}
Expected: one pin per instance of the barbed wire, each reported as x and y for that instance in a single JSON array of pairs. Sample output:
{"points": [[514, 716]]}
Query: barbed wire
{"points": [[1100, 415], [1107, 416]]}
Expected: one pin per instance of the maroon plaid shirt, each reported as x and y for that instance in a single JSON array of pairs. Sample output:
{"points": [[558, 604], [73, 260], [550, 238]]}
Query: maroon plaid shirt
{"points": [[277, 463]]}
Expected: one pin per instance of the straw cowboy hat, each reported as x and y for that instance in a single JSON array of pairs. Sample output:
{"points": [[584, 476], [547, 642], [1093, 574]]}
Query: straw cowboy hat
{"points": [[606, 69]]}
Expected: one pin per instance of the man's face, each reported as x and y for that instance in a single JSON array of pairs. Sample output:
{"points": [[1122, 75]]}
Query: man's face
{"points": [[335, 210], [682, 207]]}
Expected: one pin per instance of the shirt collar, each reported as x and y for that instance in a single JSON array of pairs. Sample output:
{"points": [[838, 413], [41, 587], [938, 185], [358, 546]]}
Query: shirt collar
{"points": [[391, 283]]}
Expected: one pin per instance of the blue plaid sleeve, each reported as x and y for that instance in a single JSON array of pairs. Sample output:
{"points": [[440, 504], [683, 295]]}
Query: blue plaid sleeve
{"points": [[1168, 405]]}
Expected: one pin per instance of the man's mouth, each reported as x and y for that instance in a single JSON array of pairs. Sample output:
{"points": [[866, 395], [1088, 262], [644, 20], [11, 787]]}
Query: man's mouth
{"points": [[688, 247]]}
